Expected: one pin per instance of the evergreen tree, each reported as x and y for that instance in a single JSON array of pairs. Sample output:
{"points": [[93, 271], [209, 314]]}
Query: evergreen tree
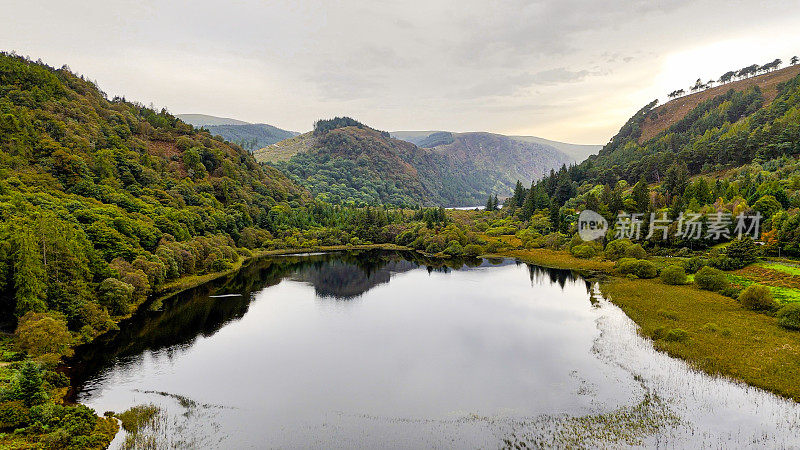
{"points": [[29, 384], [677, 177], [641, 196], [555, 216], [519, 196], [529, 204]]}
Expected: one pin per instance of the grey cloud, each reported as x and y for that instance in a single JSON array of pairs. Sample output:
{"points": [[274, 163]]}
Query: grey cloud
{"points": [[448, 64], [559, 75]]}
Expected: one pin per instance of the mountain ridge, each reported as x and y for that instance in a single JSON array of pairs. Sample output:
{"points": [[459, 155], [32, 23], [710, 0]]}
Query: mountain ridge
{"points": [[201, 120], [577, 152], [362, 165]]}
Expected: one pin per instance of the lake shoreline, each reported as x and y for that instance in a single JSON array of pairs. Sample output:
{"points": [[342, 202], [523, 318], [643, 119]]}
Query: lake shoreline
{"points": [[650, 304], [724, 338], [652, 316]]}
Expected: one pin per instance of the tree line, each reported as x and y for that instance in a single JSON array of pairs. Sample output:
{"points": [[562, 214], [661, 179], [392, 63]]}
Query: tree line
{"points": [[733, 75]]}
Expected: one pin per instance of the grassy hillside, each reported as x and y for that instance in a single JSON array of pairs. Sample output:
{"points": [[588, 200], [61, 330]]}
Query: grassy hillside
{"points": [[728, 130], [673, 111], [355, 164], [285, 149], [250, 136]]}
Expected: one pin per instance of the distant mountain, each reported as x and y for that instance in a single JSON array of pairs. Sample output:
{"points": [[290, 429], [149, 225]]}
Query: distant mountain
{"points": [[576, 152], [415, 137], [344, 161], [201, 120], [431, 138], [249, 136], [513, 159]]}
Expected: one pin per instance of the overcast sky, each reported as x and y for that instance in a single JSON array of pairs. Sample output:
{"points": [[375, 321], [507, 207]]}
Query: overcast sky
{"points": [[567, 70]]}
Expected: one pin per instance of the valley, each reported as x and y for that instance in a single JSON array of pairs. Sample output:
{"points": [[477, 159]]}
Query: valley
{"points": [[339, 287]]}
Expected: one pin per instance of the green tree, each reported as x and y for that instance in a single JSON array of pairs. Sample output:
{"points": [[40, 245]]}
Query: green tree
{"points": [[518, 198], [115, 295], [676, 179], [641, 196], [29, 384], [743, 250], [42, 334], [29, 274], [767, 205]]}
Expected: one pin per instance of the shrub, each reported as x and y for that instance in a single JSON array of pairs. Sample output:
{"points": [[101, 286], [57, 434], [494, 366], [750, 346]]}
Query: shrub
{"points": [[635, 251], [710, 279], [646, 269], [13, 415], [692, 265], [473, 250], [676, 335], [79, 420], [641, 268], [757, 298], [668, 314], [41, 334], [674, 275], [584, 251], [626, 265], [742, 251], [670, 334], [789, 316], [723, 262], [616, 249]]}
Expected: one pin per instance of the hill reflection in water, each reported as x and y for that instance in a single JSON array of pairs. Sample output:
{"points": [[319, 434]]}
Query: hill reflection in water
{"points": [[203, 311]]}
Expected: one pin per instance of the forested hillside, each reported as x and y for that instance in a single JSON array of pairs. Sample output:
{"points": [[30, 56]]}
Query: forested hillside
{"points": [[346, 162], [735, 153], [103, 200]]}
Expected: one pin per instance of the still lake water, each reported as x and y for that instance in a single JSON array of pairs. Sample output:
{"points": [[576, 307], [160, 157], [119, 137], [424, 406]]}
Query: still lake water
{"points": [[373, 350]]}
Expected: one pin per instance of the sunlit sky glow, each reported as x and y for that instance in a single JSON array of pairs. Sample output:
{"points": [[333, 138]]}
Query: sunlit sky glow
{"points": [[563, 69]]}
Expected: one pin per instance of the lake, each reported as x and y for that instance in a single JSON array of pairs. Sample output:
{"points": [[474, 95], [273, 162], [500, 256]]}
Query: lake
{"points": [[384, 350]]}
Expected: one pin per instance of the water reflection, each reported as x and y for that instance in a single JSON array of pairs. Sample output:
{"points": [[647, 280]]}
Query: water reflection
{"points": [[202, 311], [434, 354]]}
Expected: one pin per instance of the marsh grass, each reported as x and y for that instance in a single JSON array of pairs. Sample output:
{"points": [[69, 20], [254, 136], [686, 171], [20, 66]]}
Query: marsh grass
{"points": [[626, 426], [138, 417], [718, 336]]}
